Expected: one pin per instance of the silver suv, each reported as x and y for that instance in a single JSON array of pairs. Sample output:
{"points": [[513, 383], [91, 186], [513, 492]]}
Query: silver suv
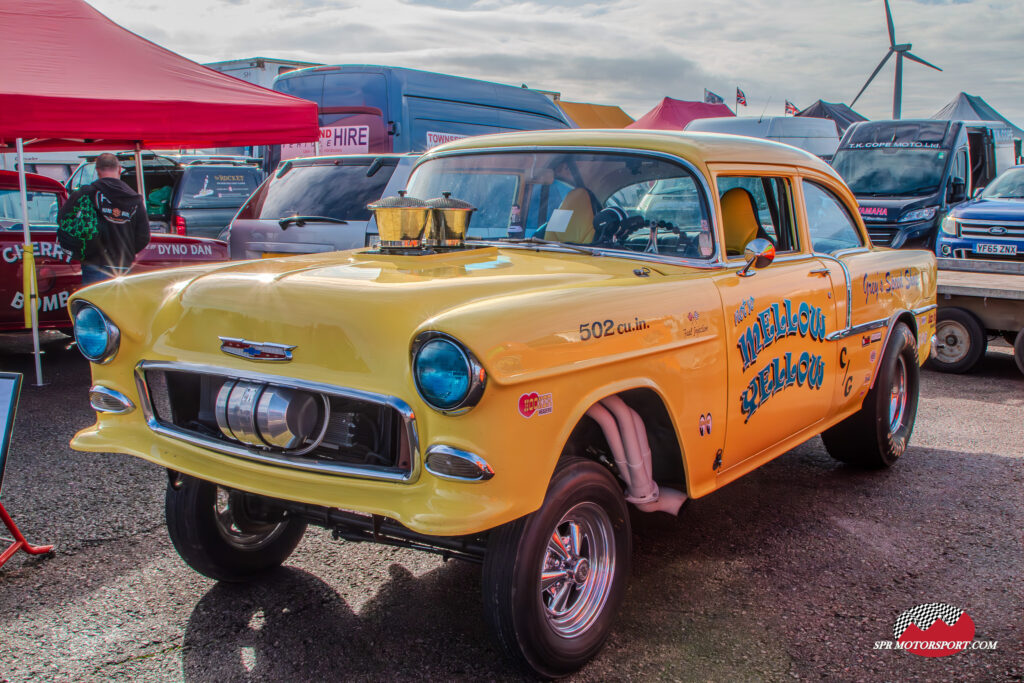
{"points": [[316, 204]]}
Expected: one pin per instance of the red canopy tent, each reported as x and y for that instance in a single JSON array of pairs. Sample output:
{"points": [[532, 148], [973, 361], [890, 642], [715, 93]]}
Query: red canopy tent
{"points": [[673, 114], [73, 79]]}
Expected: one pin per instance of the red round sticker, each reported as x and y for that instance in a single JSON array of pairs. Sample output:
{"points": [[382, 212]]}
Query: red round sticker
{"points": [[528, 404]]}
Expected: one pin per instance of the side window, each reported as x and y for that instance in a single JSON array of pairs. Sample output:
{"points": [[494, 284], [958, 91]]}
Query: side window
{"points": [[828, 222], [83, 176], [757, 206], [959, 170], [542, 201]]}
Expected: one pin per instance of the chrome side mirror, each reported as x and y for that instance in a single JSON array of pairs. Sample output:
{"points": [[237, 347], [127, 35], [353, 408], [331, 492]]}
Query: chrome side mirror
{"points": [[759, 254]]}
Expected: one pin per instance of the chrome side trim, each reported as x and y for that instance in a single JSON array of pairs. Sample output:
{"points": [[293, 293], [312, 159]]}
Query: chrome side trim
{"points": [[857, 329], [268, 457], [924, 309], [126, 403], [849, 283], [486, 471]]}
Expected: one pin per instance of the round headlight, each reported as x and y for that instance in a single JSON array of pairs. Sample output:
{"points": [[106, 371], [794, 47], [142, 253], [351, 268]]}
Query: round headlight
{"points": [[97, 337], [447, 375]]}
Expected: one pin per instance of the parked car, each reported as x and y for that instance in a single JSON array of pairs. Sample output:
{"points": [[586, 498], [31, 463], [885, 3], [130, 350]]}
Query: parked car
{"points": [[57, 274], [316, 204], [990, 226], [507, 400], [192, 195]]}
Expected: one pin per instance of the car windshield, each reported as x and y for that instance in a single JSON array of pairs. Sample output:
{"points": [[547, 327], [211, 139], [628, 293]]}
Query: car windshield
{"points": [[609, 200], [211, 187], [335, 191], [891, 171], [1009, 185], [42, 208]]}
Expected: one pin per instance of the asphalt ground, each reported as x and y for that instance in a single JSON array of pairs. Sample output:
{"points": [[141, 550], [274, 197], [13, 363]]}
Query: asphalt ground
{"points": [[793, 572]]}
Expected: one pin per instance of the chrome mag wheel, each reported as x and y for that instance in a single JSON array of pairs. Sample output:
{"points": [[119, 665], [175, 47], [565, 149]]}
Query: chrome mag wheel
{"points": [[898, 395], [237, 528], [578, 568]]}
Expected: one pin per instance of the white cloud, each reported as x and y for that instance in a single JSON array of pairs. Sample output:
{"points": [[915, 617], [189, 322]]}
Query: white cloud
{"points": [[629, 52]]}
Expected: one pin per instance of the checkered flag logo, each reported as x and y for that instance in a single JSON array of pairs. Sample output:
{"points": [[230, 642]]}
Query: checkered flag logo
{"points": [[923, 616]]}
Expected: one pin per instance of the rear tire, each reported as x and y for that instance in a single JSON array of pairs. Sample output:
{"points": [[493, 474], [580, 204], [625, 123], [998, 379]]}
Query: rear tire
{"points": [[215, 532], [962, 339], [553, 580], [1018, 350], [877, 435]]}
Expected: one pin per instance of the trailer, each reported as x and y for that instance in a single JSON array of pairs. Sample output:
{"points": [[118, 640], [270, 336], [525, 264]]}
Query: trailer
{"points": [[978, 300]]}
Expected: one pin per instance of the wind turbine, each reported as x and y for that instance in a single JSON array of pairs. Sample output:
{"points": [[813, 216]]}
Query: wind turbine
{"points": [[902, 50]]}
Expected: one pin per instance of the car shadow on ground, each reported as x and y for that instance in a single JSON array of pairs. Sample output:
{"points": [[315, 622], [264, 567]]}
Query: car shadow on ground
{"points": [[761, 581], [291, 625]]}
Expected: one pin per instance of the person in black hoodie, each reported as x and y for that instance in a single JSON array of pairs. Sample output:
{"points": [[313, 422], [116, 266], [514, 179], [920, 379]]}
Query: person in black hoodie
{"points": [[122, 223]]}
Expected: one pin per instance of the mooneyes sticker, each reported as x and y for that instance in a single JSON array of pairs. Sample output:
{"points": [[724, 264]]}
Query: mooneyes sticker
{"points": [[704, 424], [535, 404]]}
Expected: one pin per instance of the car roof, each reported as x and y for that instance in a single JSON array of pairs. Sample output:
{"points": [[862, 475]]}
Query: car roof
{"points": [[33, 181], [308, 161], [698, 148]]}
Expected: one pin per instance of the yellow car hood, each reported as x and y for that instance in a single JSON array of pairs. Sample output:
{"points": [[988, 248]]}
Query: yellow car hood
{"points": [[354, 315]]}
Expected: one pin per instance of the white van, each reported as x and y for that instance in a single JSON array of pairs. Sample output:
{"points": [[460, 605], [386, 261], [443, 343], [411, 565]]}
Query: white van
{"points": [[56, 165], [817, 136]]}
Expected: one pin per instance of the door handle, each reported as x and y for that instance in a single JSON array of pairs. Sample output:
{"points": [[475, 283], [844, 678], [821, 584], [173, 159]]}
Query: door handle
{"points": [[823, 272]]}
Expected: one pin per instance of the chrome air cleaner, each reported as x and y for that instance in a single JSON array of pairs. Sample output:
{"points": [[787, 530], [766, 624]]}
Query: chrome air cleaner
{"points": [[264, 415]]}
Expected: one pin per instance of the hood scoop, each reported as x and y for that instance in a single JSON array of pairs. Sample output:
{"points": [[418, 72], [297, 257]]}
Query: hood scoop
{"points": [[413, 226]]}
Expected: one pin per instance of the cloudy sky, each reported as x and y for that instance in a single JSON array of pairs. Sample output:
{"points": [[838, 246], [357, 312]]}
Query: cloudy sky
{"points": [[628, 52]]}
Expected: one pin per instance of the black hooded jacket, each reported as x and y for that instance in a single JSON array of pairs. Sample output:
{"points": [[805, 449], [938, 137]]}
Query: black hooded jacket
{"points": [[123, 223]]}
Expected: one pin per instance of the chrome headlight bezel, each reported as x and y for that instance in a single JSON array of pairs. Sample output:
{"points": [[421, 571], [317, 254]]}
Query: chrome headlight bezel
{"points": [[923, 214], [950, 226], [477, 376], [112, 331]]}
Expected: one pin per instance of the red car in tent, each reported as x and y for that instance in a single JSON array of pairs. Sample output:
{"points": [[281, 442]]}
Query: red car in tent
{"points": [[57, 274]]}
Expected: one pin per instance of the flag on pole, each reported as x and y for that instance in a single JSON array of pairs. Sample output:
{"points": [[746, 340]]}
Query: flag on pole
{"points": [[712, 98], [741, 99], [791, 109]]}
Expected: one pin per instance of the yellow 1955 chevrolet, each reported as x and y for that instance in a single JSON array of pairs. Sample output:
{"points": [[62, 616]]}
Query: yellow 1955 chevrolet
{"points": [[555, 326]]}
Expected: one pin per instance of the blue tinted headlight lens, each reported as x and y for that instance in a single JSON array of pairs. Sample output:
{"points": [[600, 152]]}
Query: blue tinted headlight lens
{"points": [[442, 373], [93, 333]]}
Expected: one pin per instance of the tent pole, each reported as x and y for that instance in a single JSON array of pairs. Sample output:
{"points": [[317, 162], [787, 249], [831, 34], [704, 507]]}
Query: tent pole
{"points": [[140, 184], [28, 265]]}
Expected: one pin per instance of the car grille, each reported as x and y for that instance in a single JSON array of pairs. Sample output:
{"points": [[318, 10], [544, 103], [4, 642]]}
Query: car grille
{"points": [[976, 230], [356, 433], [882, 235]]}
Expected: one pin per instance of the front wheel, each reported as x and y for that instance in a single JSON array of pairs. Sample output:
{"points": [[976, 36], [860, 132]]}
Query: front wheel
{"points": [[227, 535], [553, 580], [877, 434]]}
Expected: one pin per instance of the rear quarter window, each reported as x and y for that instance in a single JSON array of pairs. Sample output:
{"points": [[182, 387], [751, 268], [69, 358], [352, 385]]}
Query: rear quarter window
{"points": [[206, 187], [335, 191]]}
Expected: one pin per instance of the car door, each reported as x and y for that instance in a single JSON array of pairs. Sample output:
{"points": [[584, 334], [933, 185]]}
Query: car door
{"points": [[780, 377]]}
